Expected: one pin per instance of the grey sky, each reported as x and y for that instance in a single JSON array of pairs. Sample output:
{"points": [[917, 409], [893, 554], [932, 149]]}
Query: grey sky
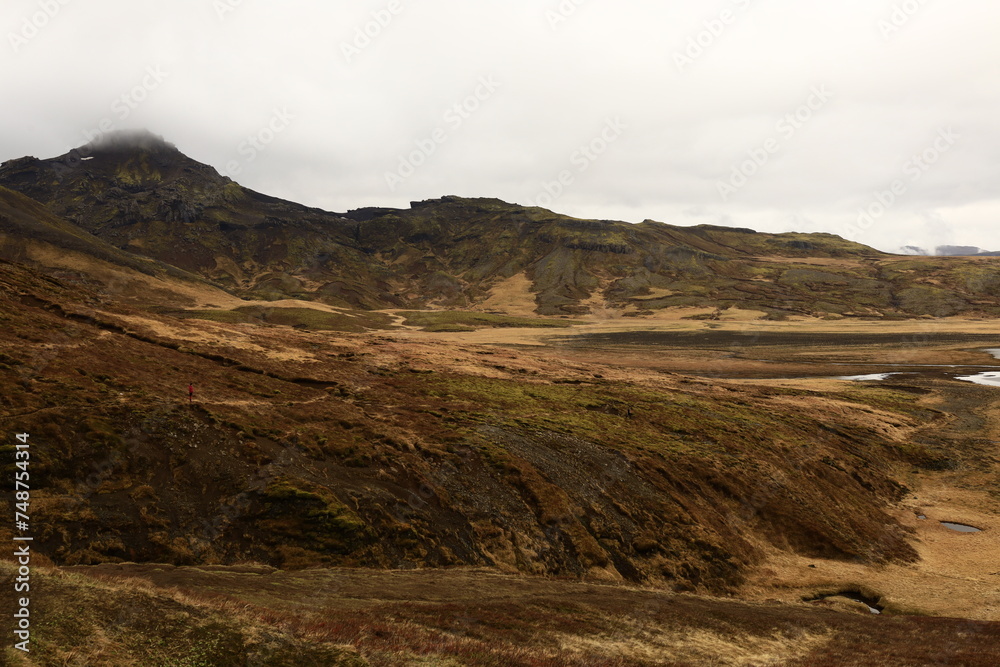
{"points": [[668, 98]]}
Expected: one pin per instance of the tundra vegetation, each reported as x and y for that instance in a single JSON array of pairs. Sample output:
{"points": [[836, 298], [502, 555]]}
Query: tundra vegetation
{"points": [[479, 433]]}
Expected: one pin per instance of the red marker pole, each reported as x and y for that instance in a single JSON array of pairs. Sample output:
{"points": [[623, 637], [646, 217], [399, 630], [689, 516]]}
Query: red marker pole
{"points": [[190, 393]]}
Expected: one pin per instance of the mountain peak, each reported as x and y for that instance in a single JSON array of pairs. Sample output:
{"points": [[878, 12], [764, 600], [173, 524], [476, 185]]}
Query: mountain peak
{"points": [[127, 141]]}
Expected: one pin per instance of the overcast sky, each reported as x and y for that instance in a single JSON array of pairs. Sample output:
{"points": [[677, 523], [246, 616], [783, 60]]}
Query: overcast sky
{"points": [[779, 115]]}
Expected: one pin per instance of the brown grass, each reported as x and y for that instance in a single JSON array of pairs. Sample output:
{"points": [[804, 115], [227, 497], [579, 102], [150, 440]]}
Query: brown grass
{"points": [[381, 420], [476, 617]]}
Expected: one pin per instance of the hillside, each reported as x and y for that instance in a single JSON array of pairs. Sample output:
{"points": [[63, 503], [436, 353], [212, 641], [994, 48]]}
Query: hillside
{"points": [[31, 234], [477, 433], [361, 450], [389, 453], [146, 197]]}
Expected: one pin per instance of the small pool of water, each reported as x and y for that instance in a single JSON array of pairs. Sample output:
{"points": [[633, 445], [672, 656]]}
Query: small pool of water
{"points": [[873, 377], [990, 379], [961, 527]]}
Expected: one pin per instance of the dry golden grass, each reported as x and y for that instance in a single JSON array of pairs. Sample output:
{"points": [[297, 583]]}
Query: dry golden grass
{"points": [[814, 261], [512, 296], [129, 285], [248, 338], [650, 644], [478, 617], [734, 320]]}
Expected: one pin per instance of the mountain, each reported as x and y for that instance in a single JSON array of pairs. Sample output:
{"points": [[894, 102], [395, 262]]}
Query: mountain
{"points": [[949, 251], [30, 233], [143, 196], [952, 250]]}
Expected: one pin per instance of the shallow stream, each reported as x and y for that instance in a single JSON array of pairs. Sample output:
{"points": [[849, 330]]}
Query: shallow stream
{"points": [[989, 378]]}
